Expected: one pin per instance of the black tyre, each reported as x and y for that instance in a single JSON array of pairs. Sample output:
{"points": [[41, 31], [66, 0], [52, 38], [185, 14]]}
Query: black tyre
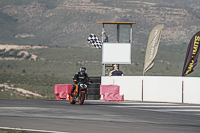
{"points": [[81, 100], [95, 79], [93, 91], [93, 97], [94, 85]]}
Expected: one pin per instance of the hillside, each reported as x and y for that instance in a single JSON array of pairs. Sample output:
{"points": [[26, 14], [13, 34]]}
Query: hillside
{"points": [[43, 42], [69, 22]]}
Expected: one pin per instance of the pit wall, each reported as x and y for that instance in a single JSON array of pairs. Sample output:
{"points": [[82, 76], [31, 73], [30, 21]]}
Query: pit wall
{"points": [[157, 88]]}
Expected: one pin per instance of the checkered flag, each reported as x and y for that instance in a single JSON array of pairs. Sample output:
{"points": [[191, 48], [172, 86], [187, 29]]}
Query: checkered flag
{"points": [[94, 40]]}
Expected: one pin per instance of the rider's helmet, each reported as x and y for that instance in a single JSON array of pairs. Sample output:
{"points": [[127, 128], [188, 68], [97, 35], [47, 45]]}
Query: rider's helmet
{"points": [[82, 70]]}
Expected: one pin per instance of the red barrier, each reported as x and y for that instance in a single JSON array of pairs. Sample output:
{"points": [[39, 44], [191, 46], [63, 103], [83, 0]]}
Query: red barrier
{"points": [[113, 97], [111, 93], [109, 89], [62, 90]]}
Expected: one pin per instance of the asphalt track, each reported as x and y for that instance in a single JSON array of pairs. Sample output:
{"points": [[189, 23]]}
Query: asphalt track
{"points": [[98, 116]]}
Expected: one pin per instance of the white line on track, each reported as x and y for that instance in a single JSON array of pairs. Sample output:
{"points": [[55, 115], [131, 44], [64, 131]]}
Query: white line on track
{"points": [[149, 103], [194, 109], [31, 130], [191, 112], [198, 107], [175, 110]]}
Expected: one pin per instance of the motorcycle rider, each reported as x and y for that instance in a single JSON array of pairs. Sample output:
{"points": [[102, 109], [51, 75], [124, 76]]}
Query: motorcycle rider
{"points": [[80, 77]]}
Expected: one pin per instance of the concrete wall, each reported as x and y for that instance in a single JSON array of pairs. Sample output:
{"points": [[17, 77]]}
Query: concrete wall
{"points": [[162, 89], [157, 88], [131, 87], [191, 90]]}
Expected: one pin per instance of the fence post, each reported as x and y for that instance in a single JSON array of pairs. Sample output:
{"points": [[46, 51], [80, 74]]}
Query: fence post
{"points": [[142, 89], [182, 90]]}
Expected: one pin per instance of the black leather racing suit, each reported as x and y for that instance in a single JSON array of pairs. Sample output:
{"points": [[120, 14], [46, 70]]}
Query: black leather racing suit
{"points": [[80, 78]]}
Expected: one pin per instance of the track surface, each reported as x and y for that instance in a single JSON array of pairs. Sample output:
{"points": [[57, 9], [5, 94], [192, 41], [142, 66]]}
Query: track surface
{"points": [[99, 116]]}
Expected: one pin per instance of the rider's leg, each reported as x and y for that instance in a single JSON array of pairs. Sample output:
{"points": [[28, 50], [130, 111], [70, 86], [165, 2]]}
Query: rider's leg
{"points": [[73, 88], [79, 91]]}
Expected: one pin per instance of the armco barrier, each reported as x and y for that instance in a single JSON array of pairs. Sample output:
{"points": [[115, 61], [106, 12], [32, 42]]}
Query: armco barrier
{"points": [[157, 88]]}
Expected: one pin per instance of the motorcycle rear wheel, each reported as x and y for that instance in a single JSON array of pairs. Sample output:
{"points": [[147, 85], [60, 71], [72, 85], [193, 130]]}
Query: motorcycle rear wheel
{"points": [[81, 100], [72, 101]]}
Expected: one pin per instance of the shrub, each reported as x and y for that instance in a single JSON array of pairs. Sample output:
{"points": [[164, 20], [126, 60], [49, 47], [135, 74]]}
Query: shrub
{"points": [[28, 56], [8, 65], [11, 50], [20, 56], [6, 54], [23, 71], [2, 50], [15, 53]]}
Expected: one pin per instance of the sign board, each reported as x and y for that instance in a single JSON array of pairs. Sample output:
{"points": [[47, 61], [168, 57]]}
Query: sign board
{"points": [[116, 53]]}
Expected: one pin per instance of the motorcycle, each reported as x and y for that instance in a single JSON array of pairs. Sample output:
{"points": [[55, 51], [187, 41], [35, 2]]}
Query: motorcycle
{"points": [[79, 94]]}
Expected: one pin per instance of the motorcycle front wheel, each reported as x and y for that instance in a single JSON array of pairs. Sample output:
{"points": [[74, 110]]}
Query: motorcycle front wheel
{"points": [[81, 100]]}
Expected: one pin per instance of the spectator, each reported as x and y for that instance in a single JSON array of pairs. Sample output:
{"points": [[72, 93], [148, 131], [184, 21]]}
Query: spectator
{"points": [[116, 71], [104, 38]]}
